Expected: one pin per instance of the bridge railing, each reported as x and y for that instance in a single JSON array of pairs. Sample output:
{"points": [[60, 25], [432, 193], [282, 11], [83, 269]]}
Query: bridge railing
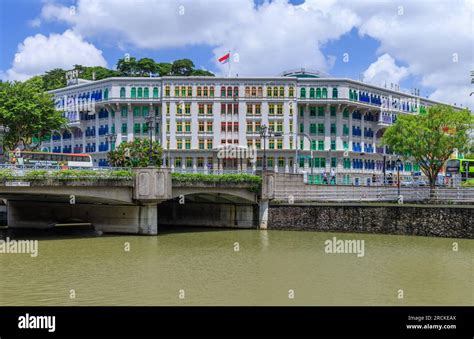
{"points": [[8, 171], [211, 171], [375, 194]]}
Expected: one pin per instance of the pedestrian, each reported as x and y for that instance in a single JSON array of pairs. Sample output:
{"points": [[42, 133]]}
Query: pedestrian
{"points": [[333, 176], [324, 176]]}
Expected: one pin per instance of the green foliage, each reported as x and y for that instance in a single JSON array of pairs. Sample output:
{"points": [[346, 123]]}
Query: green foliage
{"points": [[430, 139], [27, 111], [469, 183], [54, 79], [135, 154], [6, 174], [253, 180], [73, 174], [36, 174]]}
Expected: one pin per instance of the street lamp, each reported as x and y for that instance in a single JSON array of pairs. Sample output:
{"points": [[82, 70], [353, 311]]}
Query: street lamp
{"points": [[398, 162], [149, 121]]}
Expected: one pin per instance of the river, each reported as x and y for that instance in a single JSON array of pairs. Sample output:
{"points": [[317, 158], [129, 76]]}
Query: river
{"points": [[189, 266]]}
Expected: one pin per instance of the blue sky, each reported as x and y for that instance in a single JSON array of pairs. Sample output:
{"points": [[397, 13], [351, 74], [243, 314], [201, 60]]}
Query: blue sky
{"points": [[383, 45]]}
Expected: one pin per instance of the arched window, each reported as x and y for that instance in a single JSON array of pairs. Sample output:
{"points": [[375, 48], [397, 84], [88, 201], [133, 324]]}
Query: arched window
{"points": [[269, 91], [254, 92], [199, 91], [211, 91], [311, 93], [167, 91], [351, 96], [204, 91], [229, 91], [134, 93], [325, 93], [318, 93], [106, 94], [291, 91], [303, 92], [146, 93], [260, 92], [183, 91], [155, 92], [140, 92], [334, 92], [355, 95], [282, 91], [275, 91], [236, 91], [222, 91], [190, 91], [247, 91]]}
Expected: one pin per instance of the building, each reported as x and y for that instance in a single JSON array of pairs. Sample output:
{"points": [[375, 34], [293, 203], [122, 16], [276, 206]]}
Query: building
{"points": [[334, 123]]}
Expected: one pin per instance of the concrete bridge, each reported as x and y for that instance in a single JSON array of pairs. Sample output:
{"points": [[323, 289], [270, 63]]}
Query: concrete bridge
{"points": [[137, 205]]}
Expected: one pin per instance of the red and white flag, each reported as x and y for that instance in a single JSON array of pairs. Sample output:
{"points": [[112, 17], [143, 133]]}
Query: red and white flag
{"points": [[225, 58]]}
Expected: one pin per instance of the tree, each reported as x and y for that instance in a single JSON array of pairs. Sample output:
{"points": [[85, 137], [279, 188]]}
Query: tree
{"points": [[135, 154], [146, 66], [164, 68], [127, 67], [54, 79], [430, 139], [27, 112], [100, 72], [182, 67], [201, 72]]}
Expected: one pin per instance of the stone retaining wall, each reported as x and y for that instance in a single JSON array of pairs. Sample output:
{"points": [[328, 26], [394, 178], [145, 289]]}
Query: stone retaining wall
{"points": [[435, 221]]}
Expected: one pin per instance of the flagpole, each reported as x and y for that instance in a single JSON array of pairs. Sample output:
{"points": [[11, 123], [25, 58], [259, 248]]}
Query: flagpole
{"points": [[228, 75]]}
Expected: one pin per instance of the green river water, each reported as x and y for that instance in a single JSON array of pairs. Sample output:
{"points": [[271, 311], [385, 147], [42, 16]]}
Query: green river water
{"points": [[202, 266]]}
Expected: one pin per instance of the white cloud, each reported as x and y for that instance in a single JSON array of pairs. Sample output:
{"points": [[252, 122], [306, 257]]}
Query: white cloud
{"points": [[268, 39], [39, 53], [385, 71]]}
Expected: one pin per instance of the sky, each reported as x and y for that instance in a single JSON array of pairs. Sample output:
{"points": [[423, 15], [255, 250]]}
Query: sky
{"points": [[423, 44]]}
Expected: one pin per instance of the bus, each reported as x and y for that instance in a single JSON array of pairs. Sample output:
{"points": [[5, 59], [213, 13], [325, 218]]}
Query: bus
{"points": [[461, 166], [48, 159]]}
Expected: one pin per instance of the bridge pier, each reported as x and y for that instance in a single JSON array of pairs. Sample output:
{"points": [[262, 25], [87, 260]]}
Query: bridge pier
{"points": [[148, 219], [263, 214]]}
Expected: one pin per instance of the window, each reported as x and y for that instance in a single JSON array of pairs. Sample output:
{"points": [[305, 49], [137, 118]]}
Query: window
{"points": [[209, 109], [312, 111], [122, 92], [146, 93], [209, 126], [333, 111], [301, 128], [145, 128], [136, 111], [257, 109], [311, 93], [211, 91], [321, 111], [223, 109], [320, 145], [199, 91], [222, 91], [209, 144], [136, 128], [187, 109], [303, 92], [236, 126], [177, 161], [258, 145], [345, 146], [236, 91], [187, 126], [312, 128], [301, 111], [223, 126], [247, 91], [313, 145], [124, 128], [257, 126], [280, 109], [281, 162], [260, 92], [145, 111], [179, 127], [345, 130], [236, 108], [325, 93], [179, 144], [249, 127], [201, 109], [188, 145], [321, 128], [183, 91], [279, 144], [204, 91], [282, 91], [124, 112], [334, 93], [176, 91], [254, 92], [134, 93], [140, 92], [279, 127], [333, 145], [200, 162], [167, 91], [318, 93], [345, 113], [291, 91], [333, 128], [271, 109], [190, 91], [275, 91], [155, 92], [229, 91], [270, 162], [249, 109]]}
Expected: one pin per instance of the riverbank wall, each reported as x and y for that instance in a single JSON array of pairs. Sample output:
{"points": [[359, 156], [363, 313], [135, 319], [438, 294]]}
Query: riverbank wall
{"points": [[404, 219]]}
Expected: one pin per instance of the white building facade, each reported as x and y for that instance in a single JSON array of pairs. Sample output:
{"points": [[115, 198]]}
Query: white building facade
{"points": [[319, 123]]}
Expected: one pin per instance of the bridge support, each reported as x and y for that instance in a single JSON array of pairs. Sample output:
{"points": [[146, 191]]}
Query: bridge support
{"points": [[263, 214], [148, 219]]}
